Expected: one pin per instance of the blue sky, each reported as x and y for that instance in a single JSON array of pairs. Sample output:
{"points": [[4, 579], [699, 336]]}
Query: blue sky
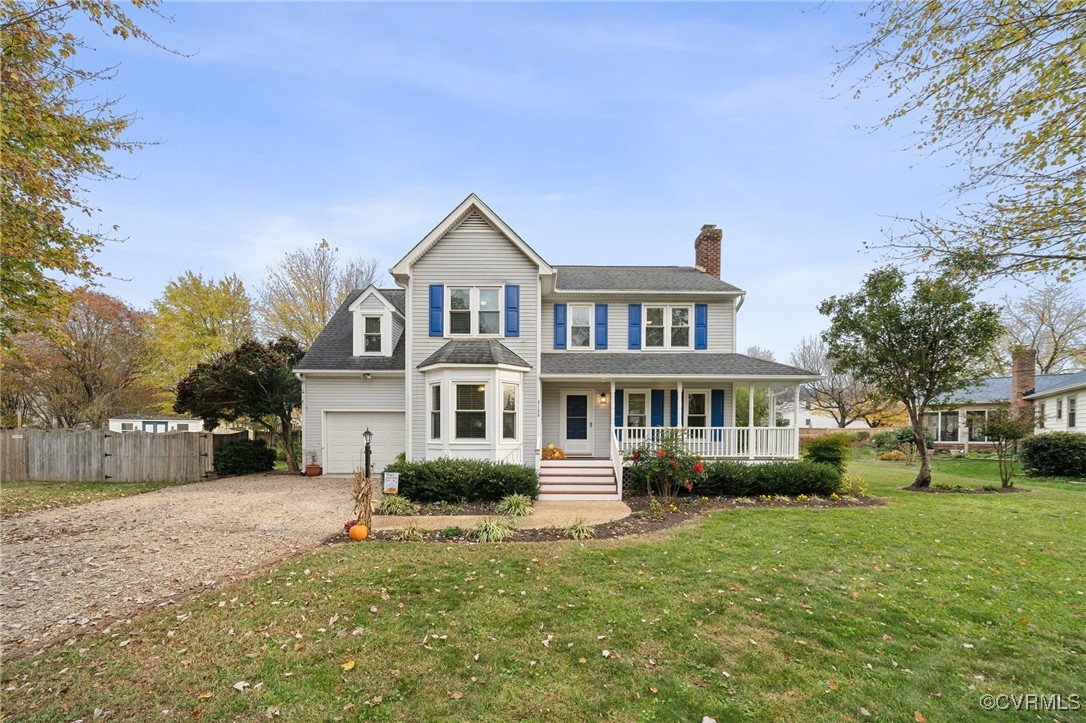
{"points": [[602, 133]]}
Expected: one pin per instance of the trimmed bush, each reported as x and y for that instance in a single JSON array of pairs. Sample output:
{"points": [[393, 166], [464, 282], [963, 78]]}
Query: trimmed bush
{"points": [[735, 479], [894, 455], [1056, 454], [243, 457], [447, 480], [831, 449]]}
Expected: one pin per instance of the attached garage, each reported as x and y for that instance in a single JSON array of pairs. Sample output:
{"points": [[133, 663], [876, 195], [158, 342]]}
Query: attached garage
{"points": [[343, 439]]}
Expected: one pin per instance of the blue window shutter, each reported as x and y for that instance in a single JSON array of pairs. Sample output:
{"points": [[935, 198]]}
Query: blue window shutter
{"points": [[601, 326], [716, 411], [559, 326], [437, 309], [657, 407], [618, 409], [635, 326], [701, 326], [512, 310], [674, 408]]}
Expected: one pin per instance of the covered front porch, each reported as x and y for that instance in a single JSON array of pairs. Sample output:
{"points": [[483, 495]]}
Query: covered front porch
{"points": [[740, 419]]}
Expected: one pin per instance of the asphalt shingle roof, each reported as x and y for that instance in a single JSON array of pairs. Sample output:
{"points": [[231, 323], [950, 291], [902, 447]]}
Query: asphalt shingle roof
{"points": [[472, 351], [331, 350], [665, 364], [998, 389], [637, 278]]}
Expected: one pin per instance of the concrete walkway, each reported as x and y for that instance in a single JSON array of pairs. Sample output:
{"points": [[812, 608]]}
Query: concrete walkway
{"points": [[548, 513]]}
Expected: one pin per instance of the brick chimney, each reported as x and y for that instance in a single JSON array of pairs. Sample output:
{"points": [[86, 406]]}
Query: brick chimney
{"points": [[707, 250], [1023, 381]]}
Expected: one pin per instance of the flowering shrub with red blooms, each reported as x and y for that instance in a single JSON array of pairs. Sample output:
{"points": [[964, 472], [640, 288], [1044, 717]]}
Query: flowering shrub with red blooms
{"points": [[662, 467]]}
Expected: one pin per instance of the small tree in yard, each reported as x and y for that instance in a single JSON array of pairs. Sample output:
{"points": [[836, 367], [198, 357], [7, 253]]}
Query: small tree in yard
{"points": [[915, 347], [254, 381], [1005, 429]]}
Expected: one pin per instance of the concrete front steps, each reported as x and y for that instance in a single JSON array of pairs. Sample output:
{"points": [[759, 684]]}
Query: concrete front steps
{"points": [[577, 478]]}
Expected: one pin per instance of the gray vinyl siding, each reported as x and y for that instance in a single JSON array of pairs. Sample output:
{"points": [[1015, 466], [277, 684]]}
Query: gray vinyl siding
{"points": [[372, 305], [721, 321], [346, 393], [473, 254]]}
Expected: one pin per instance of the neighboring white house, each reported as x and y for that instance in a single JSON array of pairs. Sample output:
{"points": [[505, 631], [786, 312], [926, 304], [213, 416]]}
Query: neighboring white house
{"points": [[155, 423], [1061, 406], [488, 351], [1056, 401]]}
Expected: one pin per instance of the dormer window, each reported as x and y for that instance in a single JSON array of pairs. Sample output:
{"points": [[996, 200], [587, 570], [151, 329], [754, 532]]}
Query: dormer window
{"points": [[475, 311], [371, 340]]}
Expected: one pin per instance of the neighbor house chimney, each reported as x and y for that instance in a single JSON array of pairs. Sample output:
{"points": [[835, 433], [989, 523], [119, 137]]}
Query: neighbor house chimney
{"points": [[707, 250], [1023, 381]]}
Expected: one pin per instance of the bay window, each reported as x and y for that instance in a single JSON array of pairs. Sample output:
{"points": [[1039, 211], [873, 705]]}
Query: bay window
{"points": [[509, 411], [471, 411]]}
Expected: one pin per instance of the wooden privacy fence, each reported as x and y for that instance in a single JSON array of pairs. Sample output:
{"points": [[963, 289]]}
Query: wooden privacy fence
{"points": [[58, 455]]}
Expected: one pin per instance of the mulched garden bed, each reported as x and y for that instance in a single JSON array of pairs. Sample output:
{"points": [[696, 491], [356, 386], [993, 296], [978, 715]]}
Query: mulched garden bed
{"points": [[645, 517], [963, 490]]}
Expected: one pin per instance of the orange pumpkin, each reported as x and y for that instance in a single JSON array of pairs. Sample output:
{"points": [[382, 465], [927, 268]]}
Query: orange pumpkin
{"points": [[359, 532]]}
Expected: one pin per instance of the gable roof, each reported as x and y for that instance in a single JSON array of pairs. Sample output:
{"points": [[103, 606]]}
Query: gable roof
{"points": [[331, 350], [467, 206], [668, 364], [673, 279], [475, 352], [382, 296], [994, 390]]}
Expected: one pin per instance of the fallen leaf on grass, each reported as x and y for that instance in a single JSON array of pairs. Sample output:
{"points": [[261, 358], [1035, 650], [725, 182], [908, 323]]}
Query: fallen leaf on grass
{"points": [[205, 694], [919, 717], [349, 665], [241, 685], [456, 696], [832, 684], [865, 712]]}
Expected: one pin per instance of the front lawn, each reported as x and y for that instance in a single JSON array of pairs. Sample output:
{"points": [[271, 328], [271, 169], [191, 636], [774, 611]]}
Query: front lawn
{"points": [[18, 498], [921, 606]]}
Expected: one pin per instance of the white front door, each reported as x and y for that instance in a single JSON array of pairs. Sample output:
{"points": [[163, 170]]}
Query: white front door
{"points": [[576, 423]]}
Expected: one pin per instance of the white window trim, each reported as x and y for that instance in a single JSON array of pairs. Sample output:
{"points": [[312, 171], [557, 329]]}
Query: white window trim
{"points": [[473, 305], [1072, 408], [626, 408], [430, 412], [1059, 408], [591, 327], [382, 333], [686, 407], [667, 326], [455, 409], [517, 411]]}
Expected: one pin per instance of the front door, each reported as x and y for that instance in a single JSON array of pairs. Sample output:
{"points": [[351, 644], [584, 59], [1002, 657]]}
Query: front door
{"points": [[576, 423]]}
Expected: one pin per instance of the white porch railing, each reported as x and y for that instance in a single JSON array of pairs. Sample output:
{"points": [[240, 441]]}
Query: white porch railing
{"points": [[718, 442], [616, 463]]}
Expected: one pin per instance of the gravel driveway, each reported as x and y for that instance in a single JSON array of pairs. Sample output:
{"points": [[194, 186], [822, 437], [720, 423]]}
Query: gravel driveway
{"points": [[77, 569]]}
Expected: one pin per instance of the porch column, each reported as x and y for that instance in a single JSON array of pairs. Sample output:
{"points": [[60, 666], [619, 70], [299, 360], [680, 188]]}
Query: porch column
{"points": [[750, 421], [795, 422], [680, 412], [611, 415]]}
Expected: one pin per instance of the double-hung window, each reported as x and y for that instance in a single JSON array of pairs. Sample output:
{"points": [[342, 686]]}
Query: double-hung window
{"points": [[580, 326], [1059, 408], [435, 411], [475, 311], [1071, 412], [471, 411], [371, 334], [667, 327], [509, 411]]}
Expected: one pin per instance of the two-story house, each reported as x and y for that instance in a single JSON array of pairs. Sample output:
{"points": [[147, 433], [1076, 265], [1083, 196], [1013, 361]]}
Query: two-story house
{"points": [[488, 351]]}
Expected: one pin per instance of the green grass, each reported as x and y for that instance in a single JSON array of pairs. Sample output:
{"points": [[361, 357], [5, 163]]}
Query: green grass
{"points": [[752, 614], [17, 498]]}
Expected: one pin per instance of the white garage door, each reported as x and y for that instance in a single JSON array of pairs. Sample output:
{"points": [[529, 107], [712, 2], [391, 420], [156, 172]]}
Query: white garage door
{"points": [[343, 439]]}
